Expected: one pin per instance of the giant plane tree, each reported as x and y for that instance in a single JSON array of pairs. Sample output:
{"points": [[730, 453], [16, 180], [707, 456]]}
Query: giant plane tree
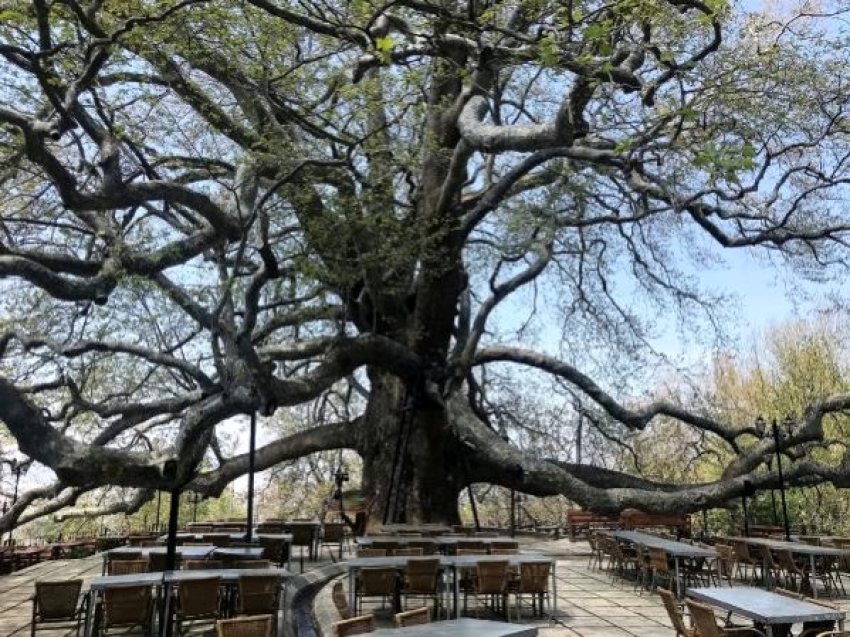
{"points": [[218, 208]]}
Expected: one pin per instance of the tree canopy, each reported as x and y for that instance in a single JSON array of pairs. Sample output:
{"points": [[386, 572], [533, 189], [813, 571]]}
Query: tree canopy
{"points": [[217, 208]]}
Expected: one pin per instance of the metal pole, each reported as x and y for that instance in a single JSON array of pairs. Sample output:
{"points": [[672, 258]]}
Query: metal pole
{"points": [[252, 444], [513, 512], [746, 517], [15, 498], [781, 482], [195, 501], [165, 627], [158, 509]]}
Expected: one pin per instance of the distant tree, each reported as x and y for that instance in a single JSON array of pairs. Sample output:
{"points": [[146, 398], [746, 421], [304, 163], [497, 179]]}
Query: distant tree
{"points": [[218, 208]]}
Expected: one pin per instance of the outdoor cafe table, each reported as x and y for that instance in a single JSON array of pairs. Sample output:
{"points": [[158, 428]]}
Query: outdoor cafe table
{"points": [[675, 549], [441, 542], [238, 552], [236, 537], [453, 562], [464, 627], [800, 548], [191, 552], [765, 607], [229, 576]]}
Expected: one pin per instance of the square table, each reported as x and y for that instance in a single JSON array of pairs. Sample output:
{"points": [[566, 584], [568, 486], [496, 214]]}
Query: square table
{"points": [[465, 627], [765, 607]]}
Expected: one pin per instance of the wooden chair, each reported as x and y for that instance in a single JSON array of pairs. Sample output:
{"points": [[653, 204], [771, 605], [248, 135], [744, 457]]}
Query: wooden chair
{"points": [[595, 558], [277, 551], [812, 629], [333, 533], [491, 580], [303, 536], [57, 605], [503, 545], [408, 552], [388, 545], [112, 558], [260, 626], [422, 578], [218, 540], [258, 595], [725, 562], [340, 600], [705, 623], [674, 612], [375, 582], [371, 552], [197, 602], [128, 567], [126, 608], [786, 593], [659, 562], [412, 617], [252, 564], [157, 560], [794, 574], [202, 565], [354, 626], [534, 582]]}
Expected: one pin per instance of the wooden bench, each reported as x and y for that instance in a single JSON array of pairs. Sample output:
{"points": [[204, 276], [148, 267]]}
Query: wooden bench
{"points": [[632, 519], [581, 522]]}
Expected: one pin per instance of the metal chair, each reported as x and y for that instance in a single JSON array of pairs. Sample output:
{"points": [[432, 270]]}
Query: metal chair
{"points": [[258, 595], [303, 535], [408, 552], [354, 626], [275, 550], [202, 565], [57, 605], [260, 626], [412, 617]]}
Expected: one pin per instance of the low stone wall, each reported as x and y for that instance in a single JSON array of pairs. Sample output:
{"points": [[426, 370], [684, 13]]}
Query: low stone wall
{"points": [[303, 589]]}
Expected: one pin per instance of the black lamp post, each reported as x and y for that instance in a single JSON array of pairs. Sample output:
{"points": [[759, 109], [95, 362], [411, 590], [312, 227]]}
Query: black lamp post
{"points": [[195, 498], [251, 452], [774, 431], [158, 511], [18, 467]]}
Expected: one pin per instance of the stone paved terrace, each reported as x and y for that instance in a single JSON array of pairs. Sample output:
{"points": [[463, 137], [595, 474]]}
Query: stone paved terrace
{"points": [[589, 605]]}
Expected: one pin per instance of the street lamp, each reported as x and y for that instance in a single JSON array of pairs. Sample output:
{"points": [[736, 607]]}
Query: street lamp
{"points": [[18, 467], [761, 427]]}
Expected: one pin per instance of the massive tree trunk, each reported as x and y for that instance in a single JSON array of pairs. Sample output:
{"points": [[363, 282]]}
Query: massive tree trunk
{"points": [[409, 457]]}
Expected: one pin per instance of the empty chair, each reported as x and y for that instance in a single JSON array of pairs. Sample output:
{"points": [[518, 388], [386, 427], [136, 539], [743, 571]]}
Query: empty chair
{"points": [[371, 552], [258, 595], [111, 558], [303, 536], [333, 534], [354, 626], [705, 622], [340, 600], [491, 581], [412, 617], [375, 582], [202, 565], [253, 564], [126, 608], [57, 605], [388, 545], [157, 561], [422, 578], [197, 602], [674, 612], [502, 545], [275, 550], [218, 540], [260, 626], [128, 567], [533, 582], [408, 552], [814, 628]]}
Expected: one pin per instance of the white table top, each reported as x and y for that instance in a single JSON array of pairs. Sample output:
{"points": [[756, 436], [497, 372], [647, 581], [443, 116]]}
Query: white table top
{"points": [[404, 540], [464, 627], [184, 551], [248, 553], [763, 606]]}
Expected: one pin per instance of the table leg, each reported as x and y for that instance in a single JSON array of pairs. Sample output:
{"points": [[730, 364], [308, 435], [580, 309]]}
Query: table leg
{"points": [[352, 600], [456, 582], [813, 577], [841, 625], [679, 592], [554, 590], [87, 628]]}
